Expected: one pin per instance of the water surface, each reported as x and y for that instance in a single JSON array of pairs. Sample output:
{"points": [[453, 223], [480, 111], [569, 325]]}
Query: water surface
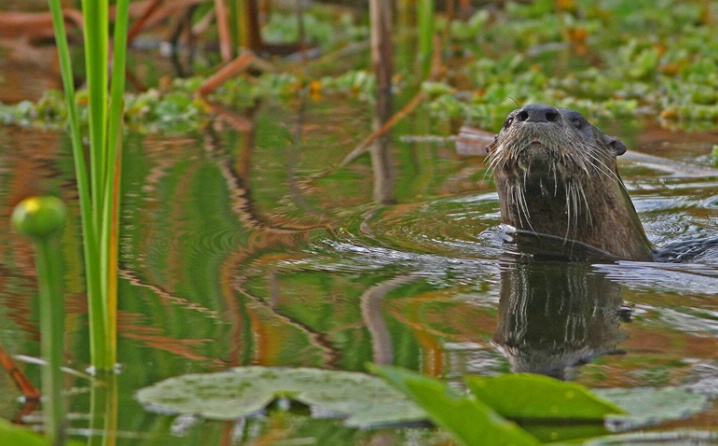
{"points": [[249, 247]]}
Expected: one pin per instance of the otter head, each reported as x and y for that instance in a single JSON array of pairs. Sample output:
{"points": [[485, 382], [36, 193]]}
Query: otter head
{"points": [[556, 176]]}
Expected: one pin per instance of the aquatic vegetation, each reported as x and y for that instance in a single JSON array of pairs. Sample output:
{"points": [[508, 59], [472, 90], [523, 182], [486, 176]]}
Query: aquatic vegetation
{"points": [[491, 61], [546, 409], [603, 59], [322, 28], [614, 59], [178, 109], [363, 400], [41, 219], [99, 190]]}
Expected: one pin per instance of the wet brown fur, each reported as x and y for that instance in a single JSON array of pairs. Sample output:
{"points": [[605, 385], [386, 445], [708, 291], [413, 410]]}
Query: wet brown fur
{"points": [[559, 178]]}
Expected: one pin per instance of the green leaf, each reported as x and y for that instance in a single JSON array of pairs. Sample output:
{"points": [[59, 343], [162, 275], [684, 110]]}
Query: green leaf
{"points": [[365, 400], [556, 431], [526, 396], [11, 434], [468, 419]]}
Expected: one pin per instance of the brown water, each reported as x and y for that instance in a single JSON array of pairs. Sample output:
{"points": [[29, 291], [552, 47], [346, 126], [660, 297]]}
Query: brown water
{"points": [[241, 248]]}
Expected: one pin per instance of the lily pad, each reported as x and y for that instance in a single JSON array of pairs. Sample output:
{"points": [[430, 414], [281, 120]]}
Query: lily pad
{"points": [[650, 406], [364, 400], [673, 438], [524, 396]]}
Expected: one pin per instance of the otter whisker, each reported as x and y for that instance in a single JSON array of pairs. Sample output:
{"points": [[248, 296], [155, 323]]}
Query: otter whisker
{"points": [[589, 216], [576, 190], [601, 167], [571, 211], [514, 201], [523, 207]]}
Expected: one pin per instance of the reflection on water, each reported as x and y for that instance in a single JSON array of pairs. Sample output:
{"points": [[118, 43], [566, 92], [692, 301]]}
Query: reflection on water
{"points": [[239, 247], [554, 316]]}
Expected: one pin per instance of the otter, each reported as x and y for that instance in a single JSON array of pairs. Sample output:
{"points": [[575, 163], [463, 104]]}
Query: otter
{"points": [[557, 181]]}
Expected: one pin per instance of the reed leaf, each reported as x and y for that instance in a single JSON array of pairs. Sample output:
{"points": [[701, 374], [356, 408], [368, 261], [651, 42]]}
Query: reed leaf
{"points": [[111, 180], [95, 17], [92, 265], [98, 177]]}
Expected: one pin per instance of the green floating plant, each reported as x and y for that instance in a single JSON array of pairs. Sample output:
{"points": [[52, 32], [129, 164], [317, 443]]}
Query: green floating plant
{"points": [[362, 399], [519, 409], [527, 396], [469, 419], [544, 409]]}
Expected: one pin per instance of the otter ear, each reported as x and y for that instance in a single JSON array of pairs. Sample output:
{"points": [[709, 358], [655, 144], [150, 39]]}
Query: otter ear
{"points": [[615, 144]]}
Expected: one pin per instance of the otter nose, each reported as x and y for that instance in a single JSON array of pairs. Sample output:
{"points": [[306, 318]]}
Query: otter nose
{"points": [[538, 113]]}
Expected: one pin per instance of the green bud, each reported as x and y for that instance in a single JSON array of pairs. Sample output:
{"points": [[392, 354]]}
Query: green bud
{"points": [[39, 217]]}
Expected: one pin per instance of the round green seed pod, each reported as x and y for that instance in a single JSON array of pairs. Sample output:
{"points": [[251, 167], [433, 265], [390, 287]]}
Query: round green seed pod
{"points": [[39, 217]]}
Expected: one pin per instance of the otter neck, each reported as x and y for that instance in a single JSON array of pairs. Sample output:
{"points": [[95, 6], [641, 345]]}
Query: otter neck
{"points": [[576, 211]]}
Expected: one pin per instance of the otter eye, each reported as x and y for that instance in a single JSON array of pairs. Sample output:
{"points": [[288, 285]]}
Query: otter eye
{"points": [[509, 121], [576, 122]]}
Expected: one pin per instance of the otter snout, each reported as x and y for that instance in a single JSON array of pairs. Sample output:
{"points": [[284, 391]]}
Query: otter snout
{"points": [[538, 113]]}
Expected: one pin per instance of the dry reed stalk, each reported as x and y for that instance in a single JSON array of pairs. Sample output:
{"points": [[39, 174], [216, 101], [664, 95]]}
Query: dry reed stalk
{"points": [[143, 20], [226, 72], [29, 392], [225, 41]]}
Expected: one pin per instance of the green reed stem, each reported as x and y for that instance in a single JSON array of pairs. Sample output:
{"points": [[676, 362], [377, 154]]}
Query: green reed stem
{"points": [[52, 327], [426, 34], [111, 181], [104, 409], [98, 182], [96, 28], [41, 218], [90, 245]]}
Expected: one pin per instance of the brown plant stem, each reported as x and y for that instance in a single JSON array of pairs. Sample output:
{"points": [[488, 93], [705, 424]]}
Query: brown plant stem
{"points": [[226, 72], [225, 41], [29, 392]]}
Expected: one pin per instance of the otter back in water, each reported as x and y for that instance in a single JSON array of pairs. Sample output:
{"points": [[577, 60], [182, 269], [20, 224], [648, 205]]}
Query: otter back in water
{"points": [[556, 176]]}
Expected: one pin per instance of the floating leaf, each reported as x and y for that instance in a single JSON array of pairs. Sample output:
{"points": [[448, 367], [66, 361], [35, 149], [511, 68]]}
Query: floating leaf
{"points": [[471, 421], [650, 406], [674, 438], [364, 399], [368, 401], [525, 396]]}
